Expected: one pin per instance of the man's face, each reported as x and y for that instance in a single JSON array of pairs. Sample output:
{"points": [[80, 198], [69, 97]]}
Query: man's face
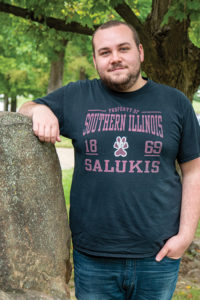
{"points": [[117, 58]]}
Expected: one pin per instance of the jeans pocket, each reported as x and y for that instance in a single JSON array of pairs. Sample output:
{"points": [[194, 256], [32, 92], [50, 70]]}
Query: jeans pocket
{"points": [[172, 259]]}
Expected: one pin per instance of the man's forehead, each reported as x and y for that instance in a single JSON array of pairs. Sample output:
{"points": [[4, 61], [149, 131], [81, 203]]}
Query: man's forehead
{"points": [[115, 35]]}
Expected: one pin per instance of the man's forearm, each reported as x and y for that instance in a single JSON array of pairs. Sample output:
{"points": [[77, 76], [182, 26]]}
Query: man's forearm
{"points": [[190, 208], [27, 108]]}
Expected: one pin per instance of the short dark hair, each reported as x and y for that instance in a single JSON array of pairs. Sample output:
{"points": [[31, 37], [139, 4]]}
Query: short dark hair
{"points": [[114, 23]]}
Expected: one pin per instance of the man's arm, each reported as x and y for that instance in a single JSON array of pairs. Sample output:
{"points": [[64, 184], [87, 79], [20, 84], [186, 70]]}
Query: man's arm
{"points": [[45, 123], [190, 212]]}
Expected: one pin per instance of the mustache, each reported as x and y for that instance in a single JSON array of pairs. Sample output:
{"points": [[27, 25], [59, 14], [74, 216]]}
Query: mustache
{"points": [[116, 66]]}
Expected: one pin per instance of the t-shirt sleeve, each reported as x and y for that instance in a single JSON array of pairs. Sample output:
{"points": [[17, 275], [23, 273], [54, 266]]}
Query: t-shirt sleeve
{"points": [[189, 147], [55, 101]]}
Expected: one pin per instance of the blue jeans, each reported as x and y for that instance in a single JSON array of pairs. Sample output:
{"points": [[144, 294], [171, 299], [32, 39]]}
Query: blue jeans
{"points": [[99, 278]]}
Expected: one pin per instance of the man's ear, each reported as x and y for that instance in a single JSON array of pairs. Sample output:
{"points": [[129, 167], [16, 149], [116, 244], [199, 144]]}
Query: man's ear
{"points": [[141, 51], [94, 61]]}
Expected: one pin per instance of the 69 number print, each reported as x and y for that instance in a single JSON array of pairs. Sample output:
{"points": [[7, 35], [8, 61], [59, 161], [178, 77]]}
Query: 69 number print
{"points": [[153, 148]]}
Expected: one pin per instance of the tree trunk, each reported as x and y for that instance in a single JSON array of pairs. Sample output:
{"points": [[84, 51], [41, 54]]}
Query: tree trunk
{"points": [[56, 72], [13, 104], [177, 60], [5, 102]]}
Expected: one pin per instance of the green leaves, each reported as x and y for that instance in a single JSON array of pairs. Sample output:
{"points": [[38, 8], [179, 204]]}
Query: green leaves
{"points": [[20, 62], [183, 9], [27, 48], [194, 33], [79, 56]]}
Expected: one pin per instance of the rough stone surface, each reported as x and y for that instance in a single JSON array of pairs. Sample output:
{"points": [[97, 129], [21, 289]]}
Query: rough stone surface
{"points": [[29, 295], [34, 232]]}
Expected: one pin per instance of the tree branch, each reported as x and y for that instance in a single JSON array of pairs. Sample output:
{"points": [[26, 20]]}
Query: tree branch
{"points": [[159, 9], [128, 15], [57, 24]]}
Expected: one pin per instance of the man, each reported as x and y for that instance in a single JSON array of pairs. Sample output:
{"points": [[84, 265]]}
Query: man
{"points": [[131, 219]]}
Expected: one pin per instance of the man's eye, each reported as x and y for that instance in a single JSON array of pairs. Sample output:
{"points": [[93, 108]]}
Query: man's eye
{"points": [[124, 49], [104, 53]]}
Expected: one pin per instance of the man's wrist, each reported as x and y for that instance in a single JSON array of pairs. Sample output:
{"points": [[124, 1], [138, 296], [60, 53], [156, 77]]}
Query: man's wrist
{"points": [[185, 237]]}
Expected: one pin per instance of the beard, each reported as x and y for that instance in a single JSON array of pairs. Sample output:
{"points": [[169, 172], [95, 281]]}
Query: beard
{"points": [[123, 84]]}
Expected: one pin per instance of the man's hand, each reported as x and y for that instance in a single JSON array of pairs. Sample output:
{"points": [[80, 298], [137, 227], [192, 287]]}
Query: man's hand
{"points": [[45, 123], [173, 248]]}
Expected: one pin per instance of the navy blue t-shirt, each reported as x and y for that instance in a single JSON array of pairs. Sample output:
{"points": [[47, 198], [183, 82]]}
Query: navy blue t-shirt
{"points": [[126, 194]]}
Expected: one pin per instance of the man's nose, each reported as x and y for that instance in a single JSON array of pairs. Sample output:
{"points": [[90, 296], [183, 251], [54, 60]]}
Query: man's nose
{"points": [[115, 57]]}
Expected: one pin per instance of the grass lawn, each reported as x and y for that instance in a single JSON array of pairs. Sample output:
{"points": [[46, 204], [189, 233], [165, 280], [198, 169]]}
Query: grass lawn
{"points": [[65, 143], [198, 233], [188, 293], [67, 180]]}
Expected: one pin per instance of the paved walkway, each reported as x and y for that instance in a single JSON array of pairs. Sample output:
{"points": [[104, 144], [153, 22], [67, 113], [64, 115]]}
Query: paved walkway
{"points": [[66, 157]]}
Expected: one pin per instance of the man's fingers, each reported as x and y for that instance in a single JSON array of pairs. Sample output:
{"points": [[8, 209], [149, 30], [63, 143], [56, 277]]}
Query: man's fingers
{"points": [[162, 253], [41, 133], [55, 134], [47, 134], [35, 128], [45, 124], [38, 130], [58, 139]]}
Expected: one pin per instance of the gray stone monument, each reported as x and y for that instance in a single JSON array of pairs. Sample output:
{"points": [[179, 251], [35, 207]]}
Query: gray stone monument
{"points": [[34, 231]]}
